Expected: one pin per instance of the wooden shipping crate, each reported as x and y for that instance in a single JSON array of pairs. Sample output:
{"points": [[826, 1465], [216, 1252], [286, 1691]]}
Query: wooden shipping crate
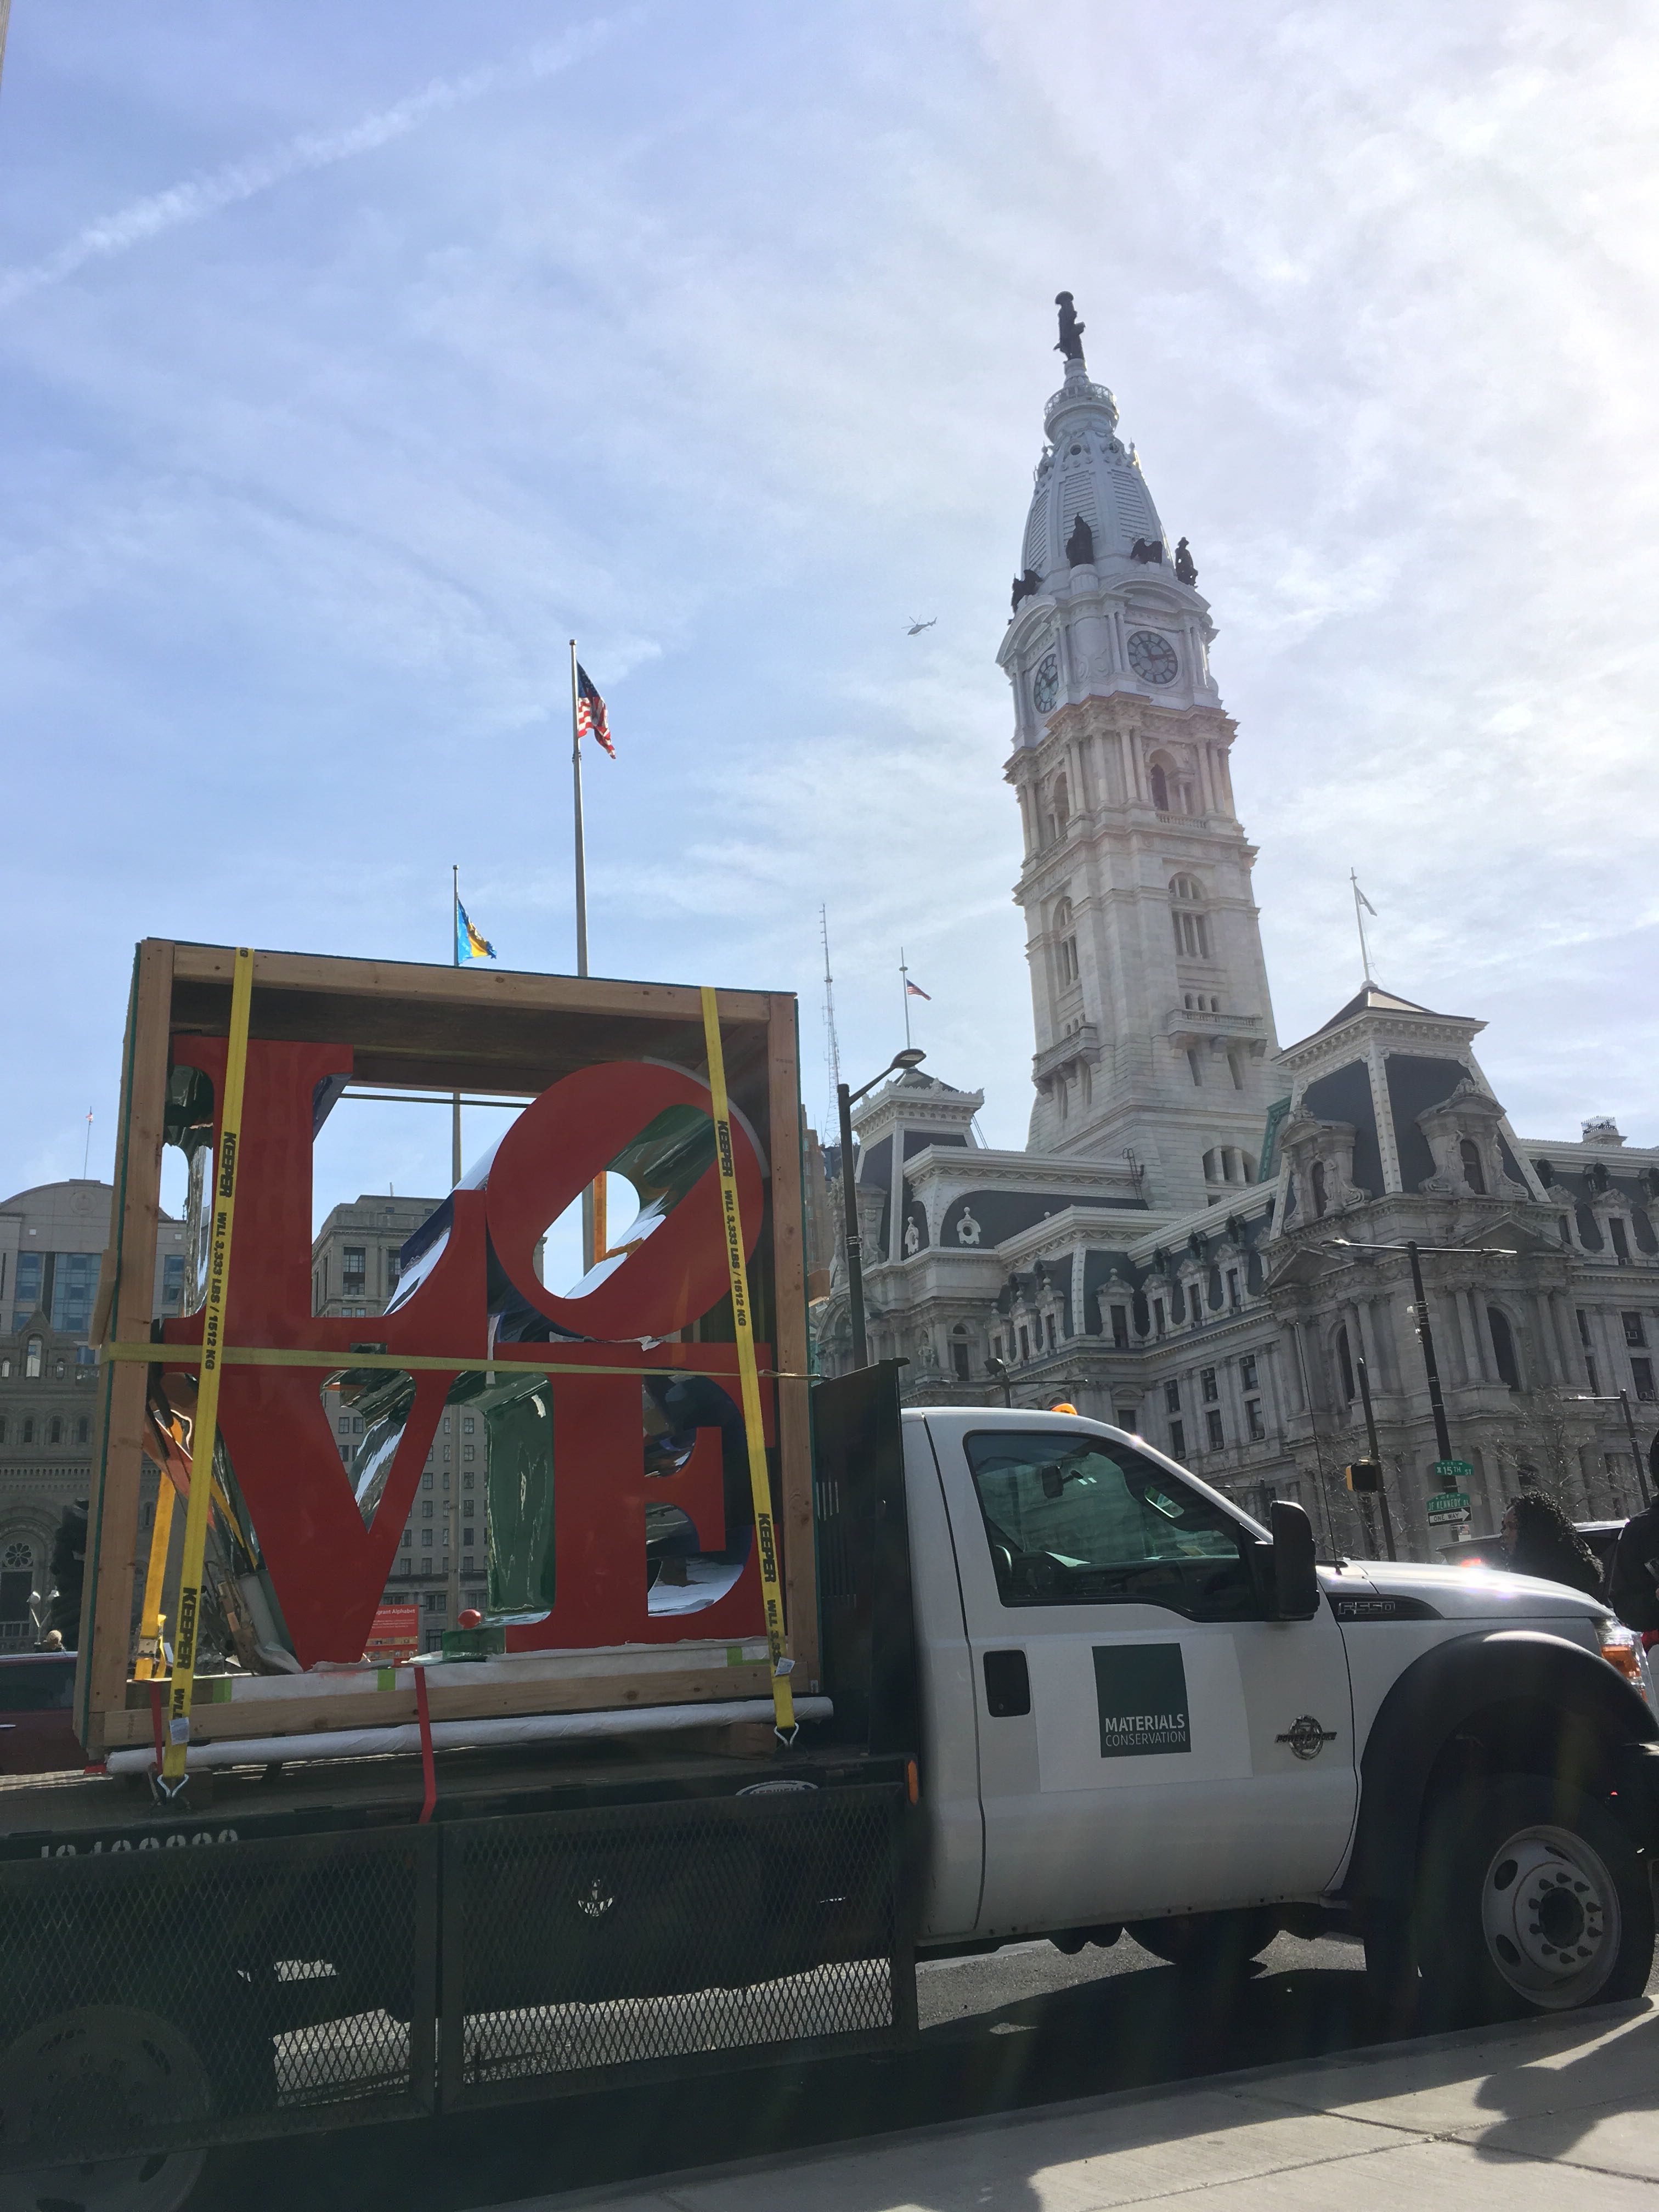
{"points": [[318, 1023]]}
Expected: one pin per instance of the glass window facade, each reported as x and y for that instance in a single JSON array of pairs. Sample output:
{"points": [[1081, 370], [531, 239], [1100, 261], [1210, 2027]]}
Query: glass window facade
{"points": [[74, 1286]]}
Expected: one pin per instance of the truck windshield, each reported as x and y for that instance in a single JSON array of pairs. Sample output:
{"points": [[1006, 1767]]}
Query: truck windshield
{"points": [[1090, 1523]]}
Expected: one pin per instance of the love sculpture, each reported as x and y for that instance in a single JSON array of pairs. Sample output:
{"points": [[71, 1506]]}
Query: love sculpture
{"points": [[329, 1565]]}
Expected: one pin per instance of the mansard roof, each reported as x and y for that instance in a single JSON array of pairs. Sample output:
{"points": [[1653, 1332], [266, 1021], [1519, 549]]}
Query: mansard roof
{"points": [[1372, 999]]}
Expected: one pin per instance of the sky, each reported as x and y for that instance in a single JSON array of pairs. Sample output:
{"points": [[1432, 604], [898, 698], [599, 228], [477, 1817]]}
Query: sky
{"points": [[354, 360]]}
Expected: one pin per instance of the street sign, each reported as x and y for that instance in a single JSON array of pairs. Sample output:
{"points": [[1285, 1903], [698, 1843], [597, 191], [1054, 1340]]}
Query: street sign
{"points": [[1448, 1505], [1453, 1520], [1453, 1473]]}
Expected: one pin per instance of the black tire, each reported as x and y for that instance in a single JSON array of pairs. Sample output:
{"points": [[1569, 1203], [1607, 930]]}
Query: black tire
{"points": [[1530, 1899], [1215, 1945], [116, 2068]]}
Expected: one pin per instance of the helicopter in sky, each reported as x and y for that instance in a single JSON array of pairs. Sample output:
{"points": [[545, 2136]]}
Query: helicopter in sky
{"points": [[917, 628]]}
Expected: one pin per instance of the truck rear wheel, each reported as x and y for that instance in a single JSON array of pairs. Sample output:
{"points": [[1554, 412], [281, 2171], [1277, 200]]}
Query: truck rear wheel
{"points": [[1530, 1899], [122, 2066], [1214, 1944]]}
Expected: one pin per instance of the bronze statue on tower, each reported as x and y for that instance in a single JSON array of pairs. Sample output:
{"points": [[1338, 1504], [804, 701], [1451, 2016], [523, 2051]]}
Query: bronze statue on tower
{"points": [[1071, 330]]}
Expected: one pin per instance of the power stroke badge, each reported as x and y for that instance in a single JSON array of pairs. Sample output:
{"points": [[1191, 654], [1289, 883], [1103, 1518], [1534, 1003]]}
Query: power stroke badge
{"points": [[1141, 1691], [1306, 1738]]}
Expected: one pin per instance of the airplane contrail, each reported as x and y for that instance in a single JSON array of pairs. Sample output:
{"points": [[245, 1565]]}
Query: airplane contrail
{"points": [[200, 197]]}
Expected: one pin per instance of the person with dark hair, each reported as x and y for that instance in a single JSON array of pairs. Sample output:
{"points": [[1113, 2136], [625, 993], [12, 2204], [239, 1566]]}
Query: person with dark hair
{"points": [[1540, 1540], [1633, 1586]]}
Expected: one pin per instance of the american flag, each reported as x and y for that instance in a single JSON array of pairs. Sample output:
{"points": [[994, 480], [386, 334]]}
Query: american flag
{"points": [[591, 718]]}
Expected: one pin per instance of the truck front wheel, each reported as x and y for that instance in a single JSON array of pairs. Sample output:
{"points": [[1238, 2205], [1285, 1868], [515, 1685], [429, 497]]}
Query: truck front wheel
{"points": [[1530, 1899]]}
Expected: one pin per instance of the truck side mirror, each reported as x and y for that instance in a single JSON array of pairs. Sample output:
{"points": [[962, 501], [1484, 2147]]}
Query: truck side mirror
{"points": [[1295, 1583]]}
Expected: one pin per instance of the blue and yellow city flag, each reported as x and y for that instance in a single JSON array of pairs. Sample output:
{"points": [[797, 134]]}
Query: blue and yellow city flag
{"points": [[469, 944]]}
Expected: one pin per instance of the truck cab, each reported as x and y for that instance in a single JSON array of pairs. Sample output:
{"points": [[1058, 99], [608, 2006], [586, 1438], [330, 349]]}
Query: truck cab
{"points": [[1138, 1705]]}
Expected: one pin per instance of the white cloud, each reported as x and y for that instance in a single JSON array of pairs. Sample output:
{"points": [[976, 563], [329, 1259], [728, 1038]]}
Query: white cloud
{"points": [[733, 361]]}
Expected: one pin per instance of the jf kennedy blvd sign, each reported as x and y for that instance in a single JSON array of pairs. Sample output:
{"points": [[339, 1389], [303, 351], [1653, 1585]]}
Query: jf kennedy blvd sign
{"points": [[328, 1566]]}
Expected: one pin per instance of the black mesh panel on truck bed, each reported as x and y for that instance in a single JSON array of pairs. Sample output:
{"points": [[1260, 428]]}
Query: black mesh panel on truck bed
{"points": [[665, 1937], [214, 1989]]}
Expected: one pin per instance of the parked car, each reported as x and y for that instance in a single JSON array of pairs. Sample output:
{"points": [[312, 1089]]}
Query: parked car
{"points": [[37, 1689]]}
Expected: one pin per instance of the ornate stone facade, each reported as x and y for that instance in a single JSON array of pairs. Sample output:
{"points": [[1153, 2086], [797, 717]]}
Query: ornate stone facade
{"points": [[1189, 1244]]}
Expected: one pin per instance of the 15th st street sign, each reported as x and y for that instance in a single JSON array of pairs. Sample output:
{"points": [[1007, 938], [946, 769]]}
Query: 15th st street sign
{"points": [[1451, 1501]]}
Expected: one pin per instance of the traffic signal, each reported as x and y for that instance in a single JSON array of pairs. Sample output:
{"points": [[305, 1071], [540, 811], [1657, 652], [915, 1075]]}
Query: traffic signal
{"points": [[1364, 1475]]}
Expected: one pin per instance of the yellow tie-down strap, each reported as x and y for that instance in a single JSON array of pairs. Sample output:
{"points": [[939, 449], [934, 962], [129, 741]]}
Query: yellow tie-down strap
{"points": [[181, 1690], [783, 1702]]}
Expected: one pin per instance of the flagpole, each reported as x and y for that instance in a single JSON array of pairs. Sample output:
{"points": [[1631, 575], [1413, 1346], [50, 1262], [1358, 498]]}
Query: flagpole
{"points": [[581, 917], [1359, 921], [455, 957], [904, 994]]}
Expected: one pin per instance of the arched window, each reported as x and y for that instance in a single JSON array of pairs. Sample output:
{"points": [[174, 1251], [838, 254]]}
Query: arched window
{"points": [[1060, 808], [1160, 788], [1473, 1174], [1316, 1177], [82, 1431], [32, 1359], [961, 1351], [1065, 943], [28, 1428], [55, 1430], [1502, 1347], [1192, 924], [1344, 1365]]}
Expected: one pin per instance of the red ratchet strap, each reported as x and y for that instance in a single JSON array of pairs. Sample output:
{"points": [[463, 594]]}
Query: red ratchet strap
{"points": [[423, 1711]]}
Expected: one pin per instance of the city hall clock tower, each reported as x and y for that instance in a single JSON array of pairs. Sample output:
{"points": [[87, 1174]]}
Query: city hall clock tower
{"points": [[1154, 1029]]}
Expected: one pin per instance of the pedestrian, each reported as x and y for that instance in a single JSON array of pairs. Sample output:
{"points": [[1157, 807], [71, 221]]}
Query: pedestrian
{"points": [[1633, 1589], [1540, 1540]]}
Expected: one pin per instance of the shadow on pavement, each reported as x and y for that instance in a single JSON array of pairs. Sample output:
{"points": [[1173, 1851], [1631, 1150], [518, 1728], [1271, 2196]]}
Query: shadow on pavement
{"points": [[1133, 2026]]}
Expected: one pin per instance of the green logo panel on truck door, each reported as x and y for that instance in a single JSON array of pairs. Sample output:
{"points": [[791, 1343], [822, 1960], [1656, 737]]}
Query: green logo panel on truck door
{"points": [[1141, 1691]]}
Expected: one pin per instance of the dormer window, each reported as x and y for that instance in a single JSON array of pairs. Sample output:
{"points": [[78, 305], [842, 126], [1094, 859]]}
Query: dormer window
{"points": [[1473, 1174], [1317, 1178]]}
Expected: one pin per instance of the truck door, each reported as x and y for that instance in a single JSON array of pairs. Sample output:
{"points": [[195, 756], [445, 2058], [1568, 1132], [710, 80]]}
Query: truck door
{"points": [[1149, 1741]]}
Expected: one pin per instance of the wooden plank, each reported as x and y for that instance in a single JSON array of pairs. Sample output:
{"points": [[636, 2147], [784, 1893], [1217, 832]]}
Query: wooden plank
{"points": [[113, 1523], [789, 1304], [483, 1701], [389, 981]]}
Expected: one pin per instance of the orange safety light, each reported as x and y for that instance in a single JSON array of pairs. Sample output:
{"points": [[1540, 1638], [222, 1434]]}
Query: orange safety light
{"points": [[1066, 1406]]}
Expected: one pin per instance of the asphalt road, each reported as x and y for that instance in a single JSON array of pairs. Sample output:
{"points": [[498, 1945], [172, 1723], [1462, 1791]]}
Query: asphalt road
{"points": [[1017, 2027]]}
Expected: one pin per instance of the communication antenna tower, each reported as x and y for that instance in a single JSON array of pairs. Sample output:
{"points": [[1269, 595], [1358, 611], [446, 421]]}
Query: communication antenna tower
{"points": [[831, 1046]]}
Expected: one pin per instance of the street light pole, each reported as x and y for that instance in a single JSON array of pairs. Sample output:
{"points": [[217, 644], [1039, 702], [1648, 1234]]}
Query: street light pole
{"points": [[1635, 1449], [1426, 1337], [1364, 1374], [912, 1056], [849, 1200]]}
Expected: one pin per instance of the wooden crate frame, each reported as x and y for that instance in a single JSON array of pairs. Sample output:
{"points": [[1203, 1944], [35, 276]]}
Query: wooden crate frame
{"points": [[440, 1030]]}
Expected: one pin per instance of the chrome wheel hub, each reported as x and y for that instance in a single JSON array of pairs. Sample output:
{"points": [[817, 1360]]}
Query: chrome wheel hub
{"points": [[1549, 1911]]}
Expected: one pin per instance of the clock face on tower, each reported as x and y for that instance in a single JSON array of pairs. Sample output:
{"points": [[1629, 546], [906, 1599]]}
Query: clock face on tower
{"points": [[1045, 684], [1151, 656]]}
